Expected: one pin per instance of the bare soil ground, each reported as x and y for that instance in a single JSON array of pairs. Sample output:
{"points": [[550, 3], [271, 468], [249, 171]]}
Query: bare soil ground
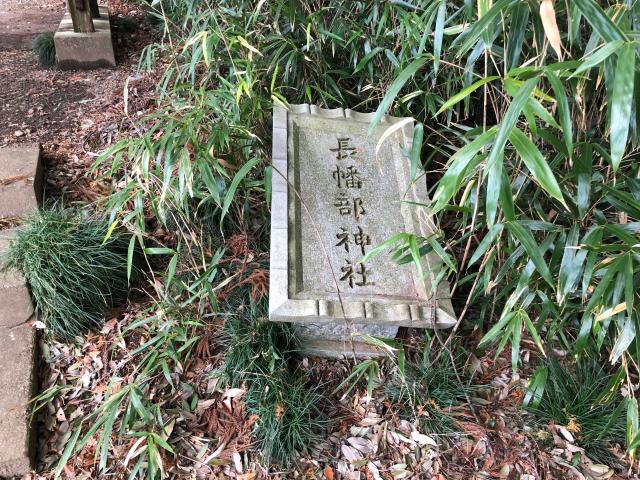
{"points": [[21, 20], [72, 114]]}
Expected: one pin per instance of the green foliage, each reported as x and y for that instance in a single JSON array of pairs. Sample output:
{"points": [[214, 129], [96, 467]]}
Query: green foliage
{"points": [[583, 397], [75, 265], [533, 159], [540, 170], [429, 391], [368, 370], [129, 415], [290, 416], [254, 346], [260, 356], [45, 49]]}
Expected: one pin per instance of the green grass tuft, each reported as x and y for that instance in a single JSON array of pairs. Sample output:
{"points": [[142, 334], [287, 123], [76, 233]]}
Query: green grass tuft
{"points": [[573, 396], [261, 355], [254, 344], [289, 415], [45, 49], [433, 389], [74, 274]]}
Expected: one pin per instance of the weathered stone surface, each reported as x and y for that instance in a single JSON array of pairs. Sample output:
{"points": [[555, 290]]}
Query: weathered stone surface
{"points": [[337, 193], [20, 180], [341, 339], [85, 50], [17, 367]]}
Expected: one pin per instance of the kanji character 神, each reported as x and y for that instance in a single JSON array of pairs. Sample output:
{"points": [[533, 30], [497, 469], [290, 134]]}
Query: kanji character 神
{"points": [[361, 239]]}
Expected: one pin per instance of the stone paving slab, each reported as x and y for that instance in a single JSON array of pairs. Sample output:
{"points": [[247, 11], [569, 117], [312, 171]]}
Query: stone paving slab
{"points": [[18, 346], [20, 180], [20, 194]]}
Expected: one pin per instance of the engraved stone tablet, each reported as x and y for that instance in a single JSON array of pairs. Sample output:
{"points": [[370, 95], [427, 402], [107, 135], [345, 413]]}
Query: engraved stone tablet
{"points": [[334, 199]]}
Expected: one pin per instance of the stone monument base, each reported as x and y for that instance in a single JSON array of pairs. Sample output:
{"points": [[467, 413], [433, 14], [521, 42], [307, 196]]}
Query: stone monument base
{"points": [[85, 50], [342, 340]]}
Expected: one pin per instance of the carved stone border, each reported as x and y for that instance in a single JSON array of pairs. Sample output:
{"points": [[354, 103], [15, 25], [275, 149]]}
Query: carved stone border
{"points": [[436, 313]]}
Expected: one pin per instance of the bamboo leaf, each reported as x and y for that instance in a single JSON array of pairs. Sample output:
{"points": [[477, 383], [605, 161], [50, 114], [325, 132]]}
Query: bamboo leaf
{"points": [[534, 332], [626, 336], [494, 186], [68, 451], [622, 102], [390, 242], [171, 270], [536, 387], [629, 289], [442, 254], [507, 124], [532, 249], [366, 59], [415, 255], [416, 149], [394, 89], [493, 332], [458, 166], [599, 20], [632, 424], [239, 176], [598, 56], [536, 163], [515, 340], [130, 252], [471, 36], [518, 29], [506, 198], [486, 242], [438, 34], [550, 25], [464, 93], [563, 110], [393, 128]]}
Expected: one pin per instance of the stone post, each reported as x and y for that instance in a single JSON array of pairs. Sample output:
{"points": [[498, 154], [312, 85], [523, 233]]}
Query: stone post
{"points": [[81, 15], [89, 48]]}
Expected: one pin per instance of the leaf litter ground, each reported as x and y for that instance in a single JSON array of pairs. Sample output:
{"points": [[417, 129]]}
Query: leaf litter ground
{"points": [[74, 115]]}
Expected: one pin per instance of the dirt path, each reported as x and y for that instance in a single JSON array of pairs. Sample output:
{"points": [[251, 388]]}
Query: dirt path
{"points": [[21, 20], [72, 114]]}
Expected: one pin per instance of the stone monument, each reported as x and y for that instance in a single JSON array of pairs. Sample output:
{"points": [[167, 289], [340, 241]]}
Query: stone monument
{"points": [[336, 194]]}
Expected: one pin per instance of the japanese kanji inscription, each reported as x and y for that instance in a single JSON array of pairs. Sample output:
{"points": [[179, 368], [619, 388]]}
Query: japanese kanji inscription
{"points": [[335, 198]]}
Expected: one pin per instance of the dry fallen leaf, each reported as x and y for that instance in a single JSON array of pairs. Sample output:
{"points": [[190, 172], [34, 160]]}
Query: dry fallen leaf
{"points": [[548, 17], [328, 473], [351, 453], [247, 476]]}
